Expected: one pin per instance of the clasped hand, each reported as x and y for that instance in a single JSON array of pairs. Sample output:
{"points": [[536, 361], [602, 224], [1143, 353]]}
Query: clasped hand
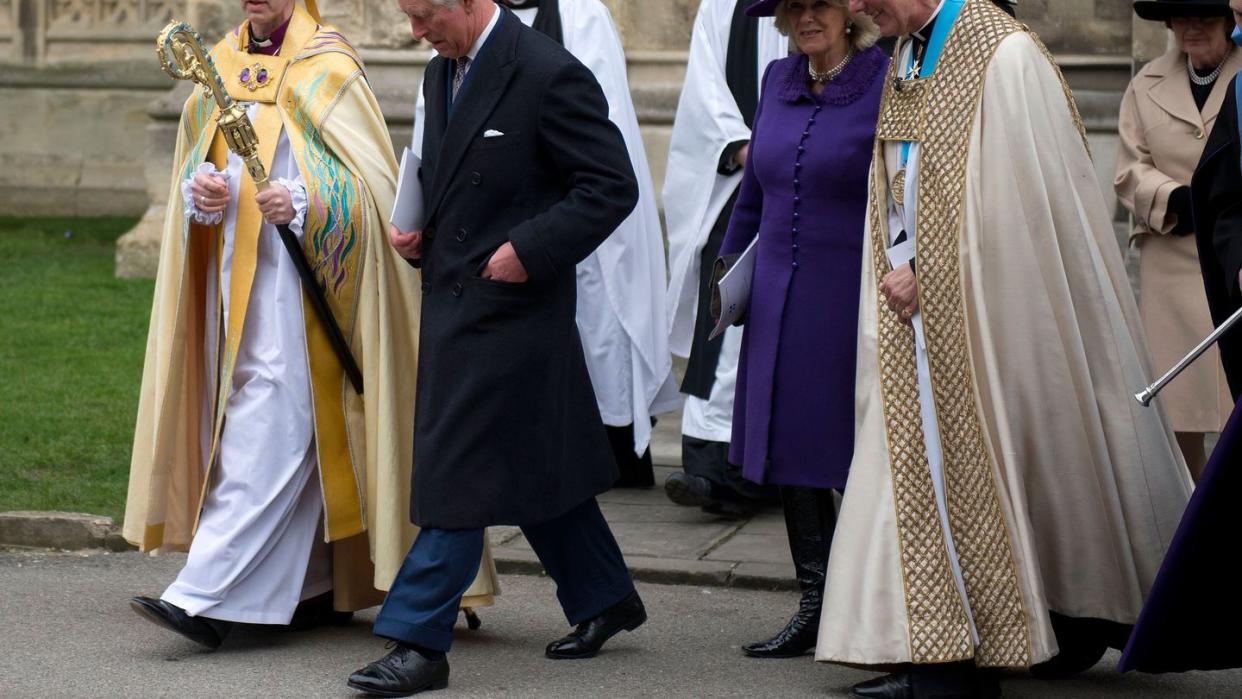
{"points": [[901, 291], [211, 195]]}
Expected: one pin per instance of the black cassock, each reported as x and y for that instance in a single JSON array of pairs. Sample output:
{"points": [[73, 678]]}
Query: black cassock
{"points": [[507, 430]]}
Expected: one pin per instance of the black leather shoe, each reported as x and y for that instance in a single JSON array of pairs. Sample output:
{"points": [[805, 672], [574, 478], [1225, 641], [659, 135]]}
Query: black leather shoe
{"points": [[207, 632], [316, 612], [1081, 644], [691, 491], [958, 680], [589, 637], [402, 672], [895, 686]]}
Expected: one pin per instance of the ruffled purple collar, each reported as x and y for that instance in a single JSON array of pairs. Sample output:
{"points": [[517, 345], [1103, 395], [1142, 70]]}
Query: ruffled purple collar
{"points": [[852, 83]]}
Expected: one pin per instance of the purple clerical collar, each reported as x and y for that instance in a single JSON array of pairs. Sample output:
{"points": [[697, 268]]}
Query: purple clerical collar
{"points": [[269, 46]]}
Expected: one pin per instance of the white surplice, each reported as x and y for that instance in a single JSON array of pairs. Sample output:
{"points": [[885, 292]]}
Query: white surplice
{"points": [[256, 552], [708, 119]]}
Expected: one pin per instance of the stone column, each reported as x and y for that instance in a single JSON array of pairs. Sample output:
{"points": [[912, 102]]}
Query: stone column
{"points": [[1149, 40], [138, 251]]}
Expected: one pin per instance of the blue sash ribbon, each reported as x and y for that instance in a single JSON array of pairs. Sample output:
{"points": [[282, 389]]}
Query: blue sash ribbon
{"points": [[931, 56]]}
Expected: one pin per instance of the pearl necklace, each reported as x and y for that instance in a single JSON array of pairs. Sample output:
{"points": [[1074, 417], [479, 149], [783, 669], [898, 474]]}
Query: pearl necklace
{"points": [[821, 78], [1210, 77]]}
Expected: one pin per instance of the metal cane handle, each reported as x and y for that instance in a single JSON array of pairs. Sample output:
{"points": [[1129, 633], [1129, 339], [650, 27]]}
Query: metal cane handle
{"points": [[1145, 396]]}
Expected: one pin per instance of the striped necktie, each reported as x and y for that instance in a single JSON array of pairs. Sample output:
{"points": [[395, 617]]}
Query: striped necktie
{"points": [[459, 74]]}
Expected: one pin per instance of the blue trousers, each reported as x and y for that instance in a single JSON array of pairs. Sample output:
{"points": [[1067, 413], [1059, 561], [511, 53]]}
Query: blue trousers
{"points": [[577, 550]]}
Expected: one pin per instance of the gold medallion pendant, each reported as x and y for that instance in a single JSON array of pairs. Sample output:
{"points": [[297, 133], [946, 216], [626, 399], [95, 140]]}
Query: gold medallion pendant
{"points": [[899, 187]]}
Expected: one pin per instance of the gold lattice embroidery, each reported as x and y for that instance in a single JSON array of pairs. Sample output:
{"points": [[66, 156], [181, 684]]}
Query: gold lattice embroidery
{"points": [[904, 109], [935, 619], [938, 627]]}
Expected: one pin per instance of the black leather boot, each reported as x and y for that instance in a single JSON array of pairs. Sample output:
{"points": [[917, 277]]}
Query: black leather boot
{"points": [[810, 517]]}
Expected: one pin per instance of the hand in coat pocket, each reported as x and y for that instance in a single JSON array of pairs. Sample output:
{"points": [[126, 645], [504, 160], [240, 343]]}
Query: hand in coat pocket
{"points": [[504, 266]]}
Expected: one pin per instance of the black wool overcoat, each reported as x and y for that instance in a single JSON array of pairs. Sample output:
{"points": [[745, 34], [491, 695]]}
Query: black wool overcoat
{"points": [[1216, 194], [507, 429]]}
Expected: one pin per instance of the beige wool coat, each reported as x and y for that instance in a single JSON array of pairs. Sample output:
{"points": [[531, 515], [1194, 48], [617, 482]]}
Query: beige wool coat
{"points": [[1162, 137]]}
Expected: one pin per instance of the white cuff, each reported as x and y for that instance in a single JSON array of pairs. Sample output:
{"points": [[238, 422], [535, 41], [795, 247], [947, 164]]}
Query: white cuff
{"points": [[900, 254], [187, 196], [297, 194]]}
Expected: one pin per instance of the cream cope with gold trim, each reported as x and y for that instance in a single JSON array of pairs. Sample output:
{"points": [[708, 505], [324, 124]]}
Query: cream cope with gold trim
{"points": [[1061, 492], [315, 89]]}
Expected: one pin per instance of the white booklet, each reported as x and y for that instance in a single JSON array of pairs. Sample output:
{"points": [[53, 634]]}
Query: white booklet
{"points": [[735, 290], [408, 209]]}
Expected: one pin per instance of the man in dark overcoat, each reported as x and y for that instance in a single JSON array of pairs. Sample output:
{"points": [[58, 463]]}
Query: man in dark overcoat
{"points": [[523, 176]]}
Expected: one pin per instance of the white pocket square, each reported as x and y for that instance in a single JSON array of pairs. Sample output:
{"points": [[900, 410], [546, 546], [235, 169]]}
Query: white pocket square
{"points": [[492, 133]]}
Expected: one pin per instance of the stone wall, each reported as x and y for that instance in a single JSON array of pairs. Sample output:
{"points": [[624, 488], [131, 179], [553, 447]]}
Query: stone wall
{"points": [[87, 118], [75, 79]]}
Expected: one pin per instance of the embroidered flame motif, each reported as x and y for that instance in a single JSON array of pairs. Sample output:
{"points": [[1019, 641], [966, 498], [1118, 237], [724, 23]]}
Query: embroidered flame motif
{"points": [[332, 196]]}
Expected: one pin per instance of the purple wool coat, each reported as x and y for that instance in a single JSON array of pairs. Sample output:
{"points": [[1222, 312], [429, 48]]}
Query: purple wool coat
{"points": [[804, 193]]}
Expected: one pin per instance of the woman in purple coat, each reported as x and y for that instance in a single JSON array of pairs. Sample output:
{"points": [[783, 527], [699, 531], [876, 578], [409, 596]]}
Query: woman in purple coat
{"points": [[804, 194]]}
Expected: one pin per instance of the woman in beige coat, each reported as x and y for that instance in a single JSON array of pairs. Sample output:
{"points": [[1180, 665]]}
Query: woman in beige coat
{"points": [[1166, 115]]}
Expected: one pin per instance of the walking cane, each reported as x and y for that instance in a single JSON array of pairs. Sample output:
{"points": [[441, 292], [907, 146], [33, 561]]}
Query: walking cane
{"points": [[183, 57], [1145, 396]]}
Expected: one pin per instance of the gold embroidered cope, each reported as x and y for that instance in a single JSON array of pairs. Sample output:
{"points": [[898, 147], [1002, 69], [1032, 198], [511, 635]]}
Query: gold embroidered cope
{"points": [[938, 112]]}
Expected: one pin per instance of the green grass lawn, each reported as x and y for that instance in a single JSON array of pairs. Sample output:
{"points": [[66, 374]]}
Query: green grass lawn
{"points": [[71, 347]]}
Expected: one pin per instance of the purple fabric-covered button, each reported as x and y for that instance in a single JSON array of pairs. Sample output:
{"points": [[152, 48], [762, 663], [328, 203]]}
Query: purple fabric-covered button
{"points": [[245, 75], [262, 76]]}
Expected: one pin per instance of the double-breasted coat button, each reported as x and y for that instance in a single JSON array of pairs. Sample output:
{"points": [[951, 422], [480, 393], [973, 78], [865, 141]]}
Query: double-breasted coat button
{"points": [[426, 288], [476, 179], [457, 289], [430, 233], [461, 235]]}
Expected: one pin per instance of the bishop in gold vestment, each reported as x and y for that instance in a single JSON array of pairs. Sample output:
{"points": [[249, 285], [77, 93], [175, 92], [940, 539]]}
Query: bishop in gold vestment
{"points": [[1003, 476], [251, 450]]}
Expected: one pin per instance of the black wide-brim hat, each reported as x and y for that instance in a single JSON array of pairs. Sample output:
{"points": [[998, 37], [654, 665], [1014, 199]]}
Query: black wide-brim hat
{"points": [[1164, 10]]}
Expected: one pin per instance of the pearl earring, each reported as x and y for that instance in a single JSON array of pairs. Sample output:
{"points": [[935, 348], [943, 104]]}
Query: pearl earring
{"points": [[849, 29]]}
